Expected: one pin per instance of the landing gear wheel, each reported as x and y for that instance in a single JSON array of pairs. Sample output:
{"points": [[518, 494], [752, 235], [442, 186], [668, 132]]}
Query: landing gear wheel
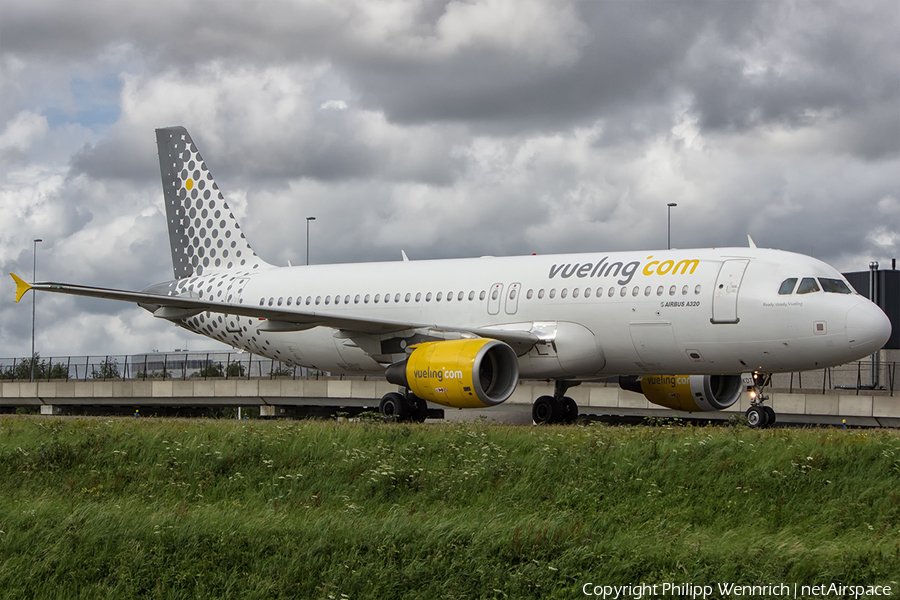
{"points": [[569, 410], [770, 415], [393, 407], [542, 411], [757, 417], [418, 408]]}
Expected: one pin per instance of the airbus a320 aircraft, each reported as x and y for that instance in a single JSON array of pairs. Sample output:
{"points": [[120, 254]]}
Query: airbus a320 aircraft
{"points": [[680, 326]]}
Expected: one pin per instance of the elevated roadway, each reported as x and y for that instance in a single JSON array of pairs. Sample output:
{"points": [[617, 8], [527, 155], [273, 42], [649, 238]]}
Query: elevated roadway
{"points": [[283, 397]]}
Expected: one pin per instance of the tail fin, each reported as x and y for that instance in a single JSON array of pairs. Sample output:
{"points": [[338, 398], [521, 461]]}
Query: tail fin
{"points": [[203, 233]]}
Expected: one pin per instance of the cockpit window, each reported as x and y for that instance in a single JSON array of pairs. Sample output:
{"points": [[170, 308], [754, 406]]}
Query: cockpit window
{"points": [[807, 286], [787, 287], [835, 286]]}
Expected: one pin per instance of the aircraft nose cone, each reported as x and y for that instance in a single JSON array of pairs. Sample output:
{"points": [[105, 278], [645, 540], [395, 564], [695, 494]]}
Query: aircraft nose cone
{"points": [[868, 328]]}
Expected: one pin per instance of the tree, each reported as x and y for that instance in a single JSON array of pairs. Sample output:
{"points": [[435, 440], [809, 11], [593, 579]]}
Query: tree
{"points": [[108, 369], [210, 369], [42, 370]]}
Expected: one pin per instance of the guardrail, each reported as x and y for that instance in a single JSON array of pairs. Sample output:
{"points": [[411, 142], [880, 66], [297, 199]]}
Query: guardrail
{"points": [[233, 365]]}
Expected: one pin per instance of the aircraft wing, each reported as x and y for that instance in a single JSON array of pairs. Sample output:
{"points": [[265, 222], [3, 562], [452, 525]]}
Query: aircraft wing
{"points": [[180, 307]]}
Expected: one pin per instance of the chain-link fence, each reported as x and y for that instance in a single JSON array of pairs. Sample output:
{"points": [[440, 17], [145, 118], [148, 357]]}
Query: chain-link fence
{"points": [[861, 376], [175, 365]]}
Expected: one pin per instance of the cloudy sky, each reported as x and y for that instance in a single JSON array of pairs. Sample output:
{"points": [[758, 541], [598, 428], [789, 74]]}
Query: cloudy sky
{"points": [[444, 128]]}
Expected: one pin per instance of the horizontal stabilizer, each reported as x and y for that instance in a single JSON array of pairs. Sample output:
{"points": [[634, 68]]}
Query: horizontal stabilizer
{"points": [[21, 286]]}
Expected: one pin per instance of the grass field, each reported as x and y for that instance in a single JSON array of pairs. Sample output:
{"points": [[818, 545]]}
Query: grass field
{"points": [[94, 508]]}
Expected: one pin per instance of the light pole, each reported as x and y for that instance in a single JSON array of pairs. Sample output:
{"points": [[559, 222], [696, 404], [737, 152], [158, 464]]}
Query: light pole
{"points": [[33, 278], [308, 219], [669, 227]]}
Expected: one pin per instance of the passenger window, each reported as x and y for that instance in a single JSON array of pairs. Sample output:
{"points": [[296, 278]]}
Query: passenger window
{"points": [[262, 301], [449, 296], [493, 295], [575, 292], [347, 299], [540, 294], [289, 300], [787, 286], [318, 300], [366, 299], [397, 297], [280, 300], [460, 296], [481, 295], [377, 298], [564, 293], [512, 294], [834, 286], [684, 291], [471, 296], [439, 296], [553, 293], [271, 301], [807, 285], [308, 300], [418, 296], [672, 291], [647, 290], [356, 299], [659, 291], [612, 292], [587, 292], [408, 297], [529, 294], [635, 291], [697, 290], [327, 299], [623, 291], [428, 297]]}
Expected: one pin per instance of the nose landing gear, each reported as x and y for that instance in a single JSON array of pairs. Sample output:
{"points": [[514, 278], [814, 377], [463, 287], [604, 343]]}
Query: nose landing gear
{"points": [[760, 415]]}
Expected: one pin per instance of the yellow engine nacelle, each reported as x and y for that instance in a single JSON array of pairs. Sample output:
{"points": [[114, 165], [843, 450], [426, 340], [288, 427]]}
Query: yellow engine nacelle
{"points": [[687, 392], [467, 373]]}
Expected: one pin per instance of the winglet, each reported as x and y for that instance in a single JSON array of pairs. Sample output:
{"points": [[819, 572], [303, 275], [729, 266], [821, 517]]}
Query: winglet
{"points": [[404, 256], [750, 241], [21, 286]]}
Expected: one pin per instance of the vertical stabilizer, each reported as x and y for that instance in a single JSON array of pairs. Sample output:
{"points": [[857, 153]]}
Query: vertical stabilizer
{"points": [[203, 233]]}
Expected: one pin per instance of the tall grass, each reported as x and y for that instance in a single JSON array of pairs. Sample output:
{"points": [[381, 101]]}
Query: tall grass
{"points": [[184, 509]]}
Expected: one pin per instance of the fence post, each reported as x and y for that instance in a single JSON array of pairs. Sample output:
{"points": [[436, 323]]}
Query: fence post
{"points": [[858, 375], [87, 366], [791, 388], [249, 365], [69, 366], [165, 365], [227, 363]]}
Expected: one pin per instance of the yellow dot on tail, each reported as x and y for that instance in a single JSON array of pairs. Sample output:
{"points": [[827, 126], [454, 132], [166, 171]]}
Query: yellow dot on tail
{"points": [[189, 184]]}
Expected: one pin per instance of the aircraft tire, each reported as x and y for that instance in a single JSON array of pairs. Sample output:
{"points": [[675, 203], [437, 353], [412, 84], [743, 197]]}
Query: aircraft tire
{"points": [[393, 407], [756, 417], [543, 410], [418, 408], [569, 410], [770, 416]]}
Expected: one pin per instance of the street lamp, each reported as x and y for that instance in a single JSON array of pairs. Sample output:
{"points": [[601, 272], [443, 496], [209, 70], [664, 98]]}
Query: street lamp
{"points": [[308, 219], [33, 278], [669, 228]]}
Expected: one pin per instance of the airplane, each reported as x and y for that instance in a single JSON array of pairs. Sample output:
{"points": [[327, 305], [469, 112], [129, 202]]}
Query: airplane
{"points": [[686, 328]]}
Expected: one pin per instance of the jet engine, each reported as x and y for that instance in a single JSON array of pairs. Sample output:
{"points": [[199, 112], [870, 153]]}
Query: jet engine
{"points": [[466, 373], [687, 392]]}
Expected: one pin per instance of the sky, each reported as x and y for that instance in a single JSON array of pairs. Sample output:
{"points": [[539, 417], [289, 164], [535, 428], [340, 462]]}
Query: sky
{"points": [[442, 128]]}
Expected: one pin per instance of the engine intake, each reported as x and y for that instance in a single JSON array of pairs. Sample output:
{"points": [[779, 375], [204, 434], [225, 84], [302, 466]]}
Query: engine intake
{"points": [[467, 373], [687, 392]]}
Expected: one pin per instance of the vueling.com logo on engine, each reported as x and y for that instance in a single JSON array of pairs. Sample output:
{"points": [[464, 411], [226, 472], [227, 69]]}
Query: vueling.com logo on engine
{"points": [[438, 374]]}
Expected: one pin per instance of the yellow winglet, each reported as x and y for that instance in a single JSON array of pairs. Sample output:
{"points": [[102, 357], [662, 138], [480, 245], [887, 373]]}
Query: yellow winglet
{"points": [[21, 286]]}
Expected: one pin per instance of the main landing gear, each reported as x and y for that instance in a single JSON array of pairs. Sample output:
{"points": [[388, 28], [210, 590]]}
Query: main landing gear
{"points": [[557, 408], [760, 415], [403, 407]]}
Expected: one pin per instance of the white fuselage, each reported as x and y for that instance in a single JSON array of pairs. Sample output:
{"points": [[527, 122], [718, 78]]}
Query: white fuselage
{"points": [[702, 311]]}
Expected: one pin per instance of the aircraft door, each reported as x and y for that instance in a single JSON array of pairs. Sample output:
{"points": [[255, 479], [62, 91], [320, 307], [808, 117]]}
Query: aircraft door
{"points": [[725, 295], [494, 297], [512, 298]]}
